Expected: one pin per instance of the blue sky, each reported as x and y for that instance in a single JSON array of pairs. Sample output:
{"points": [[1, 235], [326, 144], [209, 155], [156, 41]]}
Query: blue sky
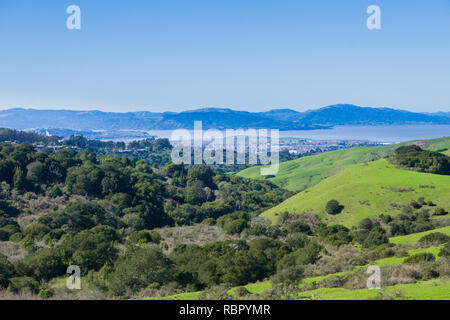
{"points": [[243, 54]]}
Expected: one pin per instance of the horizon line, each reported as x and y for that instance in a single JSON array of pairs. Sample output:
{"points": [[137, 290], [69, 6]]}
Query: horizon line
{"points": [[193, 109]]}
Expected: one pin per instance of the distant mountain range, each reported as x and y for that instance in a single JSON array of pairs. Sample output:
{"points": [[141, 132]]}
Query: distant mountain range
{"points": [[283, 119]]}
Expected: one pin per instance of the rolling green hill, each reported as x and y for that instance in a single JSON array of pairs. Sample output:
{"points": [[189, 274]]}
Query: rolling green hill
{"points": [[300, 174], [367, 190]]}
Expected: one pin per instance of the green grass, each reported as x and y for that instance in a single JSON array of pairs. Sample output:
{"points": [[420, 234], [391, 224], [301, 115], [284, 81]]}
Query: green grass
{"points": [[427, 290], [412, 239], [395, 261], [183, 296], [300, 174], [366, 190]]}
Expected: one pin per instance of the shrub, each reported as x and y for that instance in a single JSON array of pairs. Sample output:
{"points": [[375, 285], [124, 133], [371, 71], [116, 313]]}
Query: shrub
{"points": [[445, 252], [137, 269], [241, 292], [375, 238], [297, 240], [436, 237], [37, 230], [307, 255], [366, 224], [140, 237], [415, 204], [16, 237], [440, 212], [420, 257], [236, 226], [10, 229], [4, 236], [386, 218], [6, 271], [19, 284], [333, 207], [299, 226], [336, 235], [42, 265], [55, 192], [291, 275], [45, 294], [156, 237]]}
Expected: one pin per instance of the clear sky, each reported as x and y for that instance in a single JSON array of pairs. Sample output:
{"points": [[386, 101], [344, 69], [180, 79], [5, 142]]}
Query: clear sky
{"points": [[173, 55]]}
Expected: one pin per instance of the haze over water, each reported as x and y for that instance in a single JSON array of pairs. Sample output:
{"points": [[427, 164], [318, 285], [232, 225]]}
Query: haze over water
{"points": [[391, 134]]}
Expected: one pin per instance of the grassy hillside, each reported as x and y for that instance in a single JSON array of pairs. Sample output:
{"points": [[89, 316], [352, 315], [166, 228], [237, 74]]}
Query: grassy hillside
{"points": [[427, 290], [299, 174], [367, 190]]}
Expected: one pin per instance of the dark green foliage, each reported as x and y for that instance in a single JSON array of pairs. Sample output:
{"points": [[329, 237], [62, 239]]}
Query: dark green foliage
{"points": [[297, 240], [91, 249], [6, 220], [235, 226], [37, 230], [333, 207], [36, 172], [415, 204], [19, 179], [336, 235], [42, 265], [6, 271], [23, 284], [386, 218], [445, 252], [78, 216], [144, 236], [45, 294], [232, 262], [26, 137], [55, 192], [137, 269], [291, 275], [420, 257], [414, 157], [307, 255], [413, 222], [440, 212], [7, 231], [117, 200], [366, 224], [376, 237], [435, 237], [299, 226], [202, 173], [85, 180]]}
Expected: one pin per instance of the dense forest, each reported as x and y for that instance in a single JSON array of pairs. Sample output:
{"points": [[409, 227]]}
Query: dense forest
{"points": [[9, 135], [413, 157], [154, 151], [120, 200]]}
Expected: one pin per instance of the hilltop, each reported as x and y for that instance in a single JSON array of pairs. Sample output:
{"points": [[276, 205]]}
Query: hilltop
{"points": [[217, 118], [302, 173], [366, 191]]}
